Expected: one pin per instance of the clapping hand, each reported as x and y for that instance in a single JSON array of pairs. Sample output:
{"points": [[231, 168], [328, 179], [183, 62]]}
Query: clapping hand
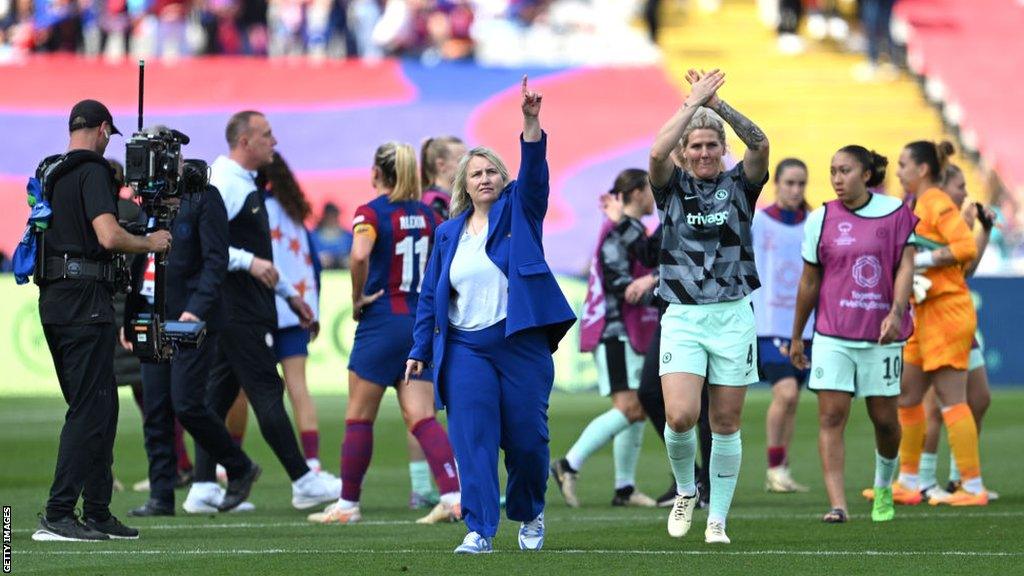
{"points": [[704, 87]]}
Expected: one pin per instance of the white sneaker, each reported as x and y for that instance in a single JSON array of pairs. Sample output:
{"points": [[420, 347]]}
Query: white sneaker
{"points": [[337, 514], [778, 479], [531, 534], [244, 507], [203, 498], [681, 517], [314, 464], [715, 533], [312, 490], [790, 44], [817, 26], [474, 543], [332, 481]]}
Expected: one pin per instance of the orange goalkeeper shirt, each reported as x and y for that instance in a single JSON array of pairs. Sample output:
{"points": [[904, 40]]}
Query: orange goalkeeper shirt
{"points": [[941, 225]]}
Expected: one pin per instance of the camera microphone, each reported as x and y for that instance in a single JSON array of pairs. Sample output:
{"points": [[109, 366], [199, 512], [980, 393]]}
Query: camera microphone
{"points": [[179, 136]]}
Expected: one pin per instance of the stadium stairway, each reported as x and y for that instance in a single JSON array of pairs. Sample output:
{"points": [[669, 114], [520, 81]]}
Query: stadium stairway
{"points": [[810, 104]]}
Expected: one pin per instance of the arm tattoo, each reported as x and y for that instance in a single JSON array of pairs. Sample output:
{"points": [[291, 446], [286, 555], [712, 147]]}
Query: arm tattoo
{"points": [[748, 132]]}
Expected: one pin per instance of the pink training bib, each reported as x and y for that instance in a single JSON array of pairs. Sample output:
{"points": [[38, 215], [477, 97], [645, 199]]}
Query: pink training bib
{"points": [[860, 256]]}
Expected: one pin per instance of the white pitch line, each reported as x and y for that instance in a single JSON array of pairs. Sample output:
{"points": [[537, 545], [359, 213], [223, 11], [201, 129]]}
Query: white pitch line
{"points": [[284, 551], [565, 519]]}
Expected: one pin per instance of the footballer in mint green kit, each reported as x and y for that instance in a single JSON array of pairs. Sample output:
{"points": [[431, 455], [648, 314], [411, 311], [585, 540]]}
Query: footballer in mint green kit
{"points": [[707, 273], [857, 276]]}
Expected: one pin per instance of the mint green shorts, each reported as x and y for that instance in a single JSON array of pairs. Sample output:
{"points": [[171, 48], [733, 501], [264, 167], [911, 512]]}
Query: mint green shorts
{"points": [[855, 368], [718, 341]]}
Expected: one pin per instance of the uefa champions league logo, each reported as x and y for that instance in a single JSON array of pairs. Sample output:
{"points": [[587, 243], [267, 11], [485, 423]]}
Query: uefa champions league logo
{"points": [[867, 271], [844, 234]]}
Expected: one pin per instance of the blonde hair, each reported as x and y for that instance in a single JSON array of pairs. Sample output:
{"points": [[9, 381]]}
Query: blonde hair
{"points": [[397, 164], [432, 150], [460, 196], [704, 119]]}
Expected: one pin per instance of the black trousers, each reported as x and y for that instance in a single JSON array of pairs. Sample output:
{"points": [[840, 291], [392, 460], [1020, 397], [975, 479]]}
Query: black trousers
{"points": [[790, 14], [245, 360], [83, 356], [179, 388], [653, 400]]}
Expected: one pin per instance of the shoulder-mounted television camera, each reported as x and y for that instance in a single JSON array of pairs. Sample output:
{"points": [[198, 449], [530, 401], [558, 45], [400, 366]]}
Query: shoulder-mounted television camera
{"points": [[153, 163], [155, 169]]}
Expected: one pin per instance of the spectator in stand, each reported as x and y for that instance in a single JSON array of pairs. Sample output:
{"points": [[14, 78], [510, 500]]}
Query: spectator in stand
{"points": [[286, 26], [333, 243], [791, 12], [876, 16], [251, 23], [171, 18]]}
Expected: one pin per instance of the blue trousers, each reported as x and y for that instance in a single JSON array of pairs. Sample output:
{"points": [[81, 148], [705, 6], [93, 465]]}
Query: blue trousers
{"points": [[496, 390]]}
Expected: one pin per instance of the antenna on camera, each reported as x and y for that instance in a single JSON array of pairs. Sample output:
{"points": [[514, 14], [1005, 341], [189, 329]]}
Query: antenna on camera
{"points": [[142, 75]]}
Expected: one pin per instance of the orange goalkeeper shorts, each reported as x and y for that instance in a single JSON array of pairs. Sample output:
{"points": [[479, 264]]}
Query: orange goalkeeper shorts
{"points": [[943, 332]]}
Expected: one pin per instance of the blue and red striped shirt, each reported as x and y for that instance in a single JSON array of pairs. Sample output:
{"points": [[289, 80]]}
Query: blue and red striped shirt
{"points": [[404, 232]]}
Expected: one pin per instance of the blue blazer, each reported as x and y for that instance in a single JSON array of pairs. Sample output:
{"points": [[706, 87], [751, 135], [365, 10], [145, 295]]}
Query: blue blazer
{"points": [[515, 230]]}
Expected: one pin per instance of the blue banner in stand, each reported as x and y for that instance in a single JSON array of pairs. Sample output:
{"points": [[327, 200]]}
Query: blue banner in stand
{"points": [[1001, 322]]}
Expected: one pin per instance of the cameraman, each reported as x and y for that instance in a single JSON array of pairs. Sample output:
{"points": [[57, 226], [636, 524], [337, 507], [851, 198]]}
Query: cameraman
{"points": [[245, 355], [76, 288], [194, 274]]}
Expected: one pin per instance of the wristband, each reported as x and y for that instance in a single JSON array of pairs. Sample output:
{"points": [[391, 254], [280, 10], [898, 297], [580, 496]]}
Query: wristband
{"points": [[924, 259]]}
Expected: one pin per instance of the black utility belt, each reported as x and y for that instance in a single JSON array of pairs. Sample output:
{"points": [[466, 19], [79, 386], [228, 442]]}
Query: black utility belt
{"points": [[66, 268]]}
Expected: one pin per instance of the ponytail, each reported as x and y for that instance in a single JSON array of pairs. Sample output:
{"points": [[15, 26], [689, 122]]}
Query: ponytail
{"points": [[397, 164], [870, 161], [935, 156]]}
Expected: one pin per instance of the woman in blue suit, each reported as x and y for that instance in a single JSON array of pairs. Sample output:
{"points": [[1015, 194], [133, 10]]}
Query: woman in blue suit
{"points": [[489, 316]]}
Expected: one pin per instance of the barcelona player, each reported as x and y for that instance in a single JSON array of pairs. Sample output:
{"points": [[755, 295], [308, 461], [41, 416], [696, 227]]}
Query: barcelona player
{"points": [[393, 235]]}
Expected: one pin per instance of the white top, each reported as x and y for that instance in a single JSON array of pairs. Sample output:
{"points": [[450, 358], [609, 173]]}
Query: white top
{"points": [[293, 260], [481, 288], [779, 266], [235, 184]]}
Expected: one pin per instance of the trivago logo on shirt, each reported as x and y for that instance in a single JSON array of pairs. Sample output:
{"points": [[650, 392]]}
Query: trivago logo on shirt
{"points": [[715, 218]]}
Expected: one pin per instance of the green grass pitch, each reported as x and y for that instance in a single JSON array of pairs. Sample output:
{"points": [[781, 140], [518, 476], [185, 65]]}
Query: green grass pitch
{"points": [[772, 534]]}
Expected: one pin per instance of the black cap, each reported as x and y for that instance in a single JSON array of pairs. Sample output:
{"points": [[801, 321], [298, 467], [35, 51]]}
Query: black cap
{"points": [[90, 114]]}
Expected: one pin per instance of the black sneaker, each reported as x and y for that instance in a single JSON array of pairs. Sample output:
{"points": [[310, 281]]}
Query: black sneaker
{"points": [[667, 499], [152, 507], [66, 529], [113, 528], [239, 488]]}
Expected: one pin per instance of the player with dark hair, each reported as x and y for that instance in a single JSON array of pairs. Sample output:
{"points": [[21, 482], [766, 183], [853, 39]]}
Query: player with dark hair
{"points": [[618, 332], [778, 231], [857, 275]]}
